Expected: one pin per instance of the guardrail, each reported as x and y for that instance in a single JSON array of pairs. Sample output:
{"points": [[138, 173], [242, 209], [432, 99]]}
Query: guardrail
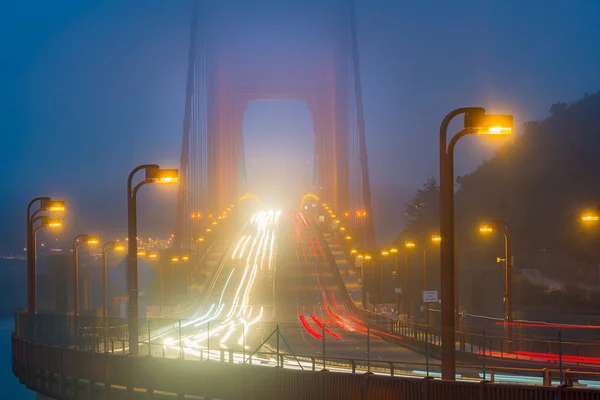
{"points": [[71, 373]]}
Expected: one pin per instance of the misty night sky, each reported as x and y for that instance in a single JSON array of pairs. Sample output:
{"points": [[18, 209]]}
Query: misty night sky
{"points": [[88, 90]]}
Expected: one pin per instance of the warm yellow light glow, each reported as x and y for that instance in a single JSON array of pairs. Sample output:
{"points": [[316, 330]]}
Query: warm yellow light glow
{"points": [[435, 238], [119, 247], [486, 229], [409, 244], [489, 124], [385, 253], [348, 237], [56, 206], [346, 214], [353, 251], [333, 216], [208, 230], [54, 223], [590, 217], [185, 258], [141, 253], [307, 196], [496, 130], [393, 250], [174, 259], [201, 239], [342, 229], [367, 257], [152, 255], [167, 176], [214, 222], [360, 256], [92, 240]]}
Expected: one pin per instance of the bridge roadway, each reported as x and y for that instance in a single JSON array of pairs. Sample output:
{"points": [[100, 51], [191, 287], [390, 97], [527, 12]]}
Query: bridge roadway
{"points": [[256, 290], [274, 282], [276, 275]]}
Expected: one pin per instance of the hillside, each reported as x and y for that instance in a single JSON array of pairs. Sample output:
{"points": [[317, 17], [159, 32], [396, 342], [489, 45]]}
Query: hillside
{"points": [[540, 182]]}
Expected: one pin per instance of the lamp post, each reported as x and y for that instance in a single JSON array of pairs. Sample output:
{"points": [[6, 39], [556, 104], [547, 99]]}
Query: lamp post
{"points": [[78, 241], [45, 204], [116, 246], [409, 244], [475, 122], [436, 239], [394, 251], [45, 222], [384, 253], [153, 174], [504, 228], [366, 258]]}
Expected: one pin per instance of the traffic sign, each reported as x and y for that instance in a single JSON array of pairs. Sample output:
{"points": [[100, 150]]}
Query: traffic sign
{"points": [[430, 296]]}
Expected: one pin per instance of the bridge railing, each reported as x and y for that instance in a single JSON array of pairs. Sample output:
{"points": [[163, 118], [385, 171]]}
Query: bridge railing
{"points": [[275, 345]]}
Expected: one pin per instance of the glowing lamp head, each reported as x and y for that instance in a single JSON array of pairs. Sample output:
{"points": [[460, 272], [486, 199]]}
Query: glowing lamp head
{"points": [[208, 230], [485, 229], [167, 176], [489, 124], [152, 255], [141, 252], [175, 259], [393, 250], [348, 237], [368, 257], [590, 217], [200, 239], [409, 244], [92, 240], [119, 247], [385, 253], [56, 206], [353, 251], [185, 258], [53, 223], [435, 238]]}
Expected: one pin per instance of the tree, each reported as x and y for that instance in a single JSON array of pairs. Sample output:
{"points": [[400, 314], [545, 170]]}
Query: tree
{"points": [[423, 211]]}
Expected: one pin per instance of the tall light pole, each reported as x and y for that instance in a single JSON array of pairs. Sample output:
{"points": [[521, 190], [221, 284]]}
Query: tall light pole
{"points": [[45, 222], [504, 228], [475, 122], [436, 239], [384, 253], [45, 204], [153, 174], [108, 246], [408, 303], [78, 241], [394, 251]]}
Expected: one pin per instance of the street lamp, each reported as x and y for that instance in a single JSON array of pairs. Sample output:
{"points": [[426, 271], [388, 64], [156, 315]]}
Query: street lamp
{"points": [[394, 251], [154, 174], [78, 241], [504, 228], [435, 239], [384, 253], [409, 244], [45, 204], [116, 246], [476, 121], [45, 222]]}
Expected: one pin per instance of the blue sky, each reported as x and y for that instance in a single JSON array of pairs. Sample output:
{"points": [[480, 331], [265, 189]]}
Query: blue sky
{"points": [[91, 89]]}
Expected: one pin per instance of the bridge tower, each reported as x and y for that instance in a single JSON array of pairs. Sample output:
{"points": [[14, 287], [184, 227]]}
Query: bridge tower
{"points": [[242, 51]]}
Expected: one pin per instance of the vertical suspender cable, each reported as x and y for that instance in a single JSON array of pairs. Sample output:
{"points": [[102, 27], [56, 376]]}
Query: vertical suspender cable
{"points": [[181, 194], [370, 239]]}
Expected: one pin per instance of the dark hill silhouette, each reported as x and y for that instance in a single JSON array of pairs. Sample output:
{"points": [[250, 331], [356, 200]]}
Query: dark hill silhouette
{"points": [[540, 182]]}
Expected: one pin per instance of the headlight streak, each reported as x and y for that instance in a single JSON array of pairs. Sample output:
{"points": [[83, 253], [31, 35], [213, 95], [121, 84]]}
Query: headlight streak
{"points": [[237, 247], [239, 315]]}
